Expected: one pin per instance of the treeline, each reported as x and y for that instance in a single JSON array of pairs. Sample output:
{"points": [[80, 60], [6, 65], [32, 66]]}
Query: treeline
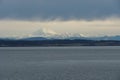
{"points": [[76, 42]]}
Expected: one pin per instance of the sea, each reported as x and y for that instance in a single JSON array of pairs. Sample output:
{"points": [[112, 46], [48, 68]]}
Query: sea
{"points": [[60, 63]]}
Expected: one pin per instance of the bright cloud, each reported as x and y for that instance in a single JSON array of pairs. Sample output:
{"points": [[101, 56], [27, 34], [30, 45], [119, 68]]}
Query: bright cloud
{"points": [[104, 27]]}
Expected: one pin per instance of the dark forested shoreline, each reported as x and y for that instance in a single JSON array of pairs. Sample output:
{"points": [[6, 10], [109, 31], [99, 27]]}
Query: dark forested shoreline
{"points": [[76, 42]]}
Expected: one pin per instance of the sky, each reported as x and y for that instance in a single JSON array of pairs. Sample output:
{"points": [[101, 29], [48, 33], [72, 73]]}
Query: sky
{"points": [[87, 17]]}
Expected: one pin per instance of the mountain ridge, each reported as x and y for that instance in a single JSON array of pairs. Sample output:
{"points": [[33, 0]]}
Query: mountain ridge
{"points": [[116, 38]]}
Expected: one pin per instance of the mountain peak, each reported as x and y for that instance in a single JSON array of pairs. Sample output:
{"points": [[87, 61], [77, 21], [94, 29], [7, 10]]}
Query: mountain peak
{"points": [[47, 33], [44, 32]]}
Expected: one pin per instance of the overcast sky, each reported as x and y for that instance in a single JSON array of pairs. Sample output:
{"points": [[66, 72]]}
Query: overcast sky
{"points": [[89, 17], [65, 9]]}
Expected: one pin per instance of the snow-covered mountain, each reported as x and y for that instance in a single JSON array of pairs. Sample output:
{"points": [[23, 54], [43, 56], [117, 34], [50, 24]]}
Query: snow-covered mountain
{"points": [[49, 34], [43, 34]]}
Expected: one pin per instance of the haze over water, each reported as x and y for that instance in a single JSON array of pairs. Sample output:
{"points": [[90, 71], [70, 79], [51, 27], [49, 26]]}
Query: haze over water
{"points": [[60, 63]]}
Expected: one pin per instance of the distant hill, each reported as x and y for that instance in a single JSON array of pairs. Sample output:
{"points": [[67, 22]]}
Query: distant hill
{"points": [[116, 38], [68, 41], [33, 38], [57, 42]]}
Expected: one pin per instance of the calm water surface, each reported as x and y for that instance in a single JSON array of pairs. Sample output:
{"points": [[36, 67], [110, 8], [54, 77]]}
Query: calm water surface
{"points": [[60, 63]]}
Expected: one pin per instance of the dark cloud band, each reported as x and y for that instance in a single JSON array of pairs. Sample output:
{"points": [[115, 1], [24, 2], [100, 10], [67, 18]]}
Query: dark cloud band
{"points": [[64, 9]]}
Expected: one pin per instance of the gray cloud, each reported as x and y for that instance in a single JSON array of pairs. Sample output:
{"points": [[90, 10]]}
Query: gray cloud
{"points": [[64, 9]]}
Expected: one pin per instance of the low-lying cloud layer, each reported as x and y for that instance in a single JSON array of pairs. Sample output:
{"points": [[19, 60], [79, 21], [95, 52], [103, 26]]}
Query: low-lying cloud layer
{"points": [[110, 27], [62, 9]]}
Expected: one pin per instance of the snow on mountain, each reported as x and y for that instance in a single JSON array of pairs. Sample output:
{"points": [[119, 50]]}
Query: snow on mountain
{"points": [[47, 33], [44, 33], [50, 34]]}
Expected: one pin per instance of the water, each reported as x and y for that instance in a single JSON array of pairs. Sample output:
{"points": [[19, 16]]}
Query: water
{"points": [[60, 63]]}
